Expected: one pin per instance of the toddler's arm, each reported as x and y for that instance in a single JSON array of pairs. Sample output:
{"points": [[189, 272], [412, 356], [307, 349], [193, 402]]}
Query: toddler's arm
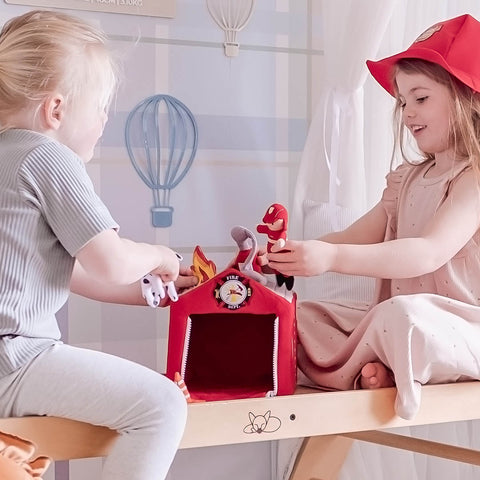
{"points": [[119, 261], [109, 268], [90, 287]]}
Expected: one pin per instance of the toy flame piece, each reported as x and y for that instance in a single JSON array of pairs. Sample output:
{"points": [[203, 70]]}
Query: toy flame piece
{"points": [[275, 222], [202, 268], [178, 379]]}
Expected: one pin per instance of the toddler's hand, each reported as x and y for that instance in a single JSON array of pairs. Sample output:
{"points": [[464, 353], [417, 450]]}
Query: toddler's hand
{"points": [[186, 280], [169, 267], [153, 290], [159, 283]]}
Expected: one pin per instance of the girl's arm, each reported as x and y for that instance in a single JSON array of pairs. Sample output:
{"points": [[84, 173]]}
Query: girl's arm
{"points": [[453, 225], [307, 258], [370, 228]]}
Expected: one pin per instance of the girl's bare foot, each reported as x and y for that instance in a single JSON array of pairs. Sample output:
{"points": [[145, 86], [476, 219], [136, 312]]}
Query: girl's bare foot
{"points": [[376, 375]]}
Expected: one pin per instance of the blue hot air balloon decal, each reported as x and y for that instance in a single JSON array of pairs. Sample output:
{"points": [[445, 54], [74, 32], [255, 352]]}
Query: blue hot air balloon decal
{"points": [[161, 137]]}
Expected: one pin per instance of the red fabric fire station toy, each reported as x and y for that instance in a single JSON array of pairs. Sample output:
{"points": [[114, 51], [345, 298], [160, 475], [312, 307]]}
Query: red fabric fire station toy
{"points": [[234, 335]]}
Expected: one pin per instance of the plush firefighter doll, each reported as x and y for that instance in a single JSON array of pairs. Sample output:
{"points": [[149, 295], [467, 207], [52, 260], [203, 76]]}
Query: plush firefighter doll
{"points": [[275, 223]]}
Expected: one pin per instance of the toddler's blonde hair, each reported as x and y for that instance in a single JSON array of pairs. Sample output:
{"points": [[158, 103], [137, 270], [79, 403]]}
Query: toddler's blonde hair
{"points": [[46, 52], [464, 112]]}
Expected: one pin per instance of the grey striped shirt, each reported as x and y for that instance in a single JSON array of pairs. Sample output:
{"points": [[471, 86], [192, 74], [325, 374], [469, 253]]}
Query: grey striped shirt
{"points": [[48, 211]]}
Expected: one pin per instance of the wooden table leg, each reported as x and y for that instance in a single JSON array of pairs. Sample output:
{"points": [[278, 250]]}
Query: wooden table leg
{"points": [[418, 445], [321, 458]]}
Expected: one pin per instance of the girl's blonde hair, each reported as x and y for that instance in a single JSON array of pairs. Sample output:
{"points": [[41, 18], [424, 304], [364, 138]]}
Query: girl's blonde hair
{"points": [[464, 114], [44, 52]]}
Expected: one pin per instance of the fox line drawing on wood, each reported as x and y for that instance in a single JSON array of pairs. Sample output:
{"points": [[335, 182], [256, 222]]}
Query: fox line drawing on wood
{"points": [[262, 423]]}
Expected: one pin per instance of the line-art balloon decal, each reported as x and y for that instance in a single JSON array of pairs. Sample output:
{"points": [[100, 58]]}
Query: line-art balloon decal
{"points": [[231, 16], [161, 137]]}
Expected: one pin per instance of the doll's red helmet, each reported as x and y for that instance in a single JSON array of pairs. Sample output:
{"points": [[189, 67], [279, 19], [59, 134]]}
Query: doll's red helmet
{"points": [[275, 212], [452, 44]]}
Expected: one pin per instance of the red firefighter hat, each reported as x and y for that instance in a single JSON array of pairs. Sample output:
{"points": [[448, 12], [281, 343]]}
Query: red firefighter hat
{"points": [[452, 44]]}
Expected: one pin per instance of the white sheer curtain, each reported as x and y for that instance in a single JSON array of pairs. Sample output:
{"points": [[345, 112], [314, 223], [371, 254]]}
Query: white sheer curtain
{"points": [[331, 190], [345, 160], [332, 169]]}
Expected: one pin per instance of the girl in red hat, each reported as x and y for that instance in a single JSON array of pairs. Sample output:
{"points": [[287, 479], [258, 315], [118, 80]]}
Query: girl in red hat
{"points": [[421, 241]]}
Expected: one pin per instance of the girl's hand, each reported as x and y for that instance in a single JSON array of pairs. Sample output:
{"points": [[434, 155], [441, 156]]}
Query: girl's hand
{"points": [[302, 258], [262, 259]]}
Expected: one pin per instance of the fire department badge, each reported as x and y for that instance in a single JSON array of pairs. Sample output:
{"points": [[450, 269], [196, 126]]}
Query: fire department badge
{"points": [[233, 292]]}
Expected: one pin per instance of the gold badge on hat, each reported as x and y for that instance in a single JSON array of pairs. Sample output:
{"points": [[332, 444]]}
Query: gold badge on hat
{"points": [[429, 32]]}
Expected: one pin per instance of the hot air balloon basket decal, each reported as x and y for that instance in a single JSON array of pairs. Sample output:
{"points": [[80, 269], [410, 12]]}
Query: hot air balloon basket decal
{"points": [[231, 16], [161, 137]]}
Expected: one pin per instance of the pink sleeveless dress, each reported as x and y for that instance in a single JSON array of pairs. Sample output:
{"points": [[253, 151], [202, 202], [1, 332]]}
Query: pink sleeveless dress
{"points": [[425, 329]]}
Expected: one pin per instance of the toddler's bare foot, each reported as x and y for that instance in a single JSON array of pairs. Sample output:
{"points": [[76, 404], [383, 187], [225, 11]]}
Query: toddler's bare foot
{"points": [[376, 375]]}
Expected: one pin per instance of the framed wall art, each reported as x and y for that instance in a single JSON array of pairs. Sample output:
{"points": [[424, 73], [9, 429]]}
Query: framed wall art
{"points": [[153, 8]]}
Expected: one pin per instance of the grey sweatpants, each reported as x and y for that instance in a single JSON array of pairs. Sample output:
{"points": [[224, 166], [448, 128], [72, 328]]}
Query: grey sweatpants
{"points": [[146, 408]]}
